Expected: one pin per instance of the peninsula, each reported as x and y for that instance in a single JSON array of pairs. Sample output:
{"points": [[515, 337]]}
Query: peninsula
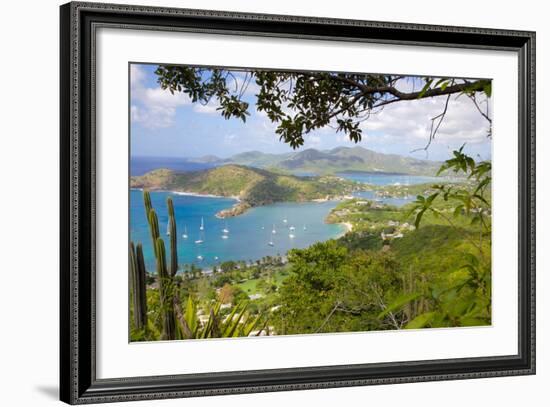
{"points": [[249, 186]]}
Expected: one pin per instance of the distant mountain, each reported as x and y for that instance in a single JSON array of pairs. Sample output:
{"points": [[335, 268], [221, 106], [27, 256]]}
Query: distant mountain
{"points": [[339, 159], [258, 159], [205, 159], [252, 186]]}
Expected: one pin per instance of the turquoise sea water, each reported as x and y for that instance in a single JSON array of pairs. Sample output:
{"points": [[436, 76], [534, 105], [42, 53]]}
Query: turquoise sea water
{"points": [[249, 233], [382, 179]]}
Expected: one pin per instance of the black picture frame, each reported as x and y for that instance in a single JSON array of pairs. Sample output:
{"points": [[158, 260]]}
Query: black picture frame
{"points": [[78, 382]]}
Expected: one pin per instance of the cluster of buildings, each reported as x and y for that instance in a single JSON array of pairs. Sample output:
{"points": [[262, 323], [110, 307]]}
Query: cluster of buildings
{"points": [[398, 230]]}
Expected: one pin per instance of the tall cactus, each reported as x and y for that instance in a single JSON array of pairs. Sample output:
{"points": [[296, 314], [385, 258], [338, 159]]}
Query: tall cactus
{"points": [[138, 285], [173, 238], [153, 228], [165, 276], [166, 293], [147, 202]]}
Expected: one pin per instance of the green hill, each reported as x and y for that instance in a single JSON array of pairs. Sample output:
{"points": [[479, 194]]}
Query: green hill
{"points": [[252, 186]]}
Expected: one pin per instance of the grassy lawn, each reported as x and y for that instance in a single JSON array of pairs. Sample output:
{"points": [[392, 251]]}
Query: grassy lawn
{"points": [[250, 286]]}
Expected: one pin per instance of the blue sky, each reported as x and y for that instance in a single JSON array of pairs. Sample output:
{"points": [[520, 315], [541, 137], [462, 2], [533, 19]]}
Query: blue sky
{"points": [[169, 125]]}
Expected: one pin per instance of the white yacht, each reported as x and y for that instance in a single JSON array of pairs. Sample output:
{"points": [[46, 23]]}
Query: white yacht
{"points": [[201, 233]]}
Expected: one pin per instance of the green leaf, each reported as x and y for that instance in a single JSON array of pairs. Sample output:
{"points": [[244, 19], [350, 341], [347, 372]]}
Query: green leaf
{"points": [[399, 303], [425, 88], [234, 323], [458, 210], [419, 217], [421, 321], [249, 327], [482, 199], [431, 198], [487, 89], [191, 315]]}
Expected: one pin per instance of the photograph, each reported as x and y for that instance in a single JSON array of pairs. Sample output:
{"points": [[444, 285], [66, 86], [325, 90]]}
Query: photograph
{"points": [[267, 202], [288, 200]]}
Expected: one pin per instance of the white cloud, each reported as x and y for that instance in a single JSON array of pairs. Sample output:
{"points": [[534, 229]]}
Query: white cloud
{"points": [[136, 75], [153, 107], [410, 121], [206, 109]]}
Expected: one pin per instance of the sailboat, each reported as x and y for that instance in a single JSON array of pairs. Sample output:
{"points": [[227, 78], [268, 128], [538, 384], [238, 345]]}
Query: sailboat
{"points": [[291, 235], [225, 230], [168, 228], [305, 227], [291, 228], [285, 220], [273, 231], [185, 236], [201, 233], [271, 242]]}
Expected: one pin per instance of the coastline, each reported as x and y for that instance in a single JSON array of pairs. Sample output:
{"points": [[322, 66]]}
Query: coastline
{"points": [[236, 198], [195, 194], [237, 209], [240, 206], [348, 226]]}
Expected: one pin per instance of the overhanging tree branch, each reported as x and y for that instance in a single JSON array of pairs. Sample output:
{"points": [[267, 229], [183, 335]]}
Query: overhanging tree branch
{"points": [[300, 102]]}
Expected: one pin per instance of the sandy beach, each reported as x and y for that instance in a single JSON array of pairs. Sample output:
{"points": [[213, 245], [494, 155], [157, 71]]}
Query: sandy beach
{"points": [[204, 195]]}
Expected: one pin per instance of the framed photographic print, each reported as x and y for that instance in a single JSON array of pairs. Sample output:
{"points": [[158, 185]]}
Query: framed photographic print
{"points": [[256, 203]]}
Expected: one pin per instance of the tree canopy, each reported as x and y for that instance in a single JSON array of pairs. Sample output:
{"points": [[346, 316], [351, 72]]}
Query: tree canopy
{"points": [[300, 102]]}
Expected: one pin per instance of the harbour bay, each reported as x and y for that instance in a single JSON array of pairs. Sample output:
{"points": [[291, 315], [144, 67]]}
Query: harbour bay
{"points": [[249, 234]]}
